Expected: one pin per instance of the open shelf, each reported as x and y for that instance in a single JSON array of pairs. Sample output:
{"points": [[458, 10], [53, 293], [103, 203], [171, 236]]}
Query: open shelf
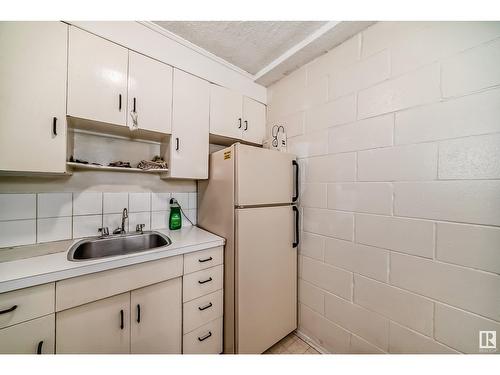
{"points": [[72, 165]]}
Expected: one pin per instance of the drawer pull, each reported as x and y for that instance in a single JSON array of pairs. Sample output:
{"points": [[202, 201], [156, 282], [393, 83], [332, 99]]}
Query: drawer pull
{"points": [[207, 306], [203, 338], [121, 319], [39, 348], [8, 310], [205, 260], [205, 281]]}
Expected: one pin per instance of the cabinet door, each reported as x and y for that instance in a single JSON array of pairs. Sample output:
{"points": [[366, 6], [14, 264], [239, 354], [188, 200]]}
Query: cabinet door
{"points": [[32, 337], [97, 78], [157, 318], [254, 124], [189, 141], [225, 112], [101, 327], [33, 57], [149, 93]]}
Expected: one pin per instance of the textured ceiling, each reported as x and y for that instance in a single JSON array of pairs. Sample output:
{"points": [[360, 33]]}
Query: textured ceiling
{"points": [[250, 45]]}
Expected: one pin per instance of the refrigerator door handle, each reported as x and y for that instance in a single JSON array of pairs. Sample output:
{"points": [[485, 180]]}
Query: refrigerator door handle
{"points": [[296, 214], [296, 165]]}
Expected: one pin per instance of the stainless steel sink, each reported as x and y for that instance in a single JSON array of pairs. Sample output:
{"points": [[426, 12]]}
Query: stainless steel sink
{"points": [[98, 247]]}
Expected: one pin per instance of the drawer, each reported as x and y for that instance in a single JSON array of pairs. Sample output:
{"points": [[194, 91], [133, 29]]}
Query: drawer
{"points": [[83, 289], [202, 310], [26, 304], [204, 259], [29, 337], [204, 340], [200, 283]]}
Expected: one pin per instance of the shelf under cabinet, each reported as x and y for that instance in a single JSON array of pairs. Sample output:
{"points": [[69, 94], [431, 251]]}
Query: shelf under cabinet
{"points": [[72, 165]]}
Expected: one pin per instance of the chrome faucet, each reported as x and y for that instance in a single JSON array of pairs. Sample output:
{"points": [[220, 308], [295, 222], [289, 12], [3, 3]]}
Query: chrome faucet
{"points": [[121, 230]]}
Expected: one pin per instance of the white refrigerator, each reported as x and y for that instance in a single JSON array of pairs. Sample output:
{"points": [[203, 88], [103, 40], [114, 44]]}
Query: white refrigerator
{"points": [[249, 200]]}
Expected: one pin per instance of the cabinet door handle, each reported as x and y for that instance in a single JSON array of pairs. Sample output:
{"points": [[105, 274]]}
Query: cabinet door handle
{"points": [[120, 102], [121, 319], [207, 306], [246, 125], [39, 348], [134, 106], [296, 195], [176, 144], [239, 123], [205, 281], [205, 260], [203, 338], [296, 213], [138, 313], [6, 311], [54, 126]]}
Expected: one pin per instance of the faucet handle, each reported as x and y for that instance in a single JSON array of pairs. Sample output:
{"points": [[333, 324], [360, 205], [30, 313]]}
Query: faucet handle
{"points": [[104, 231], [139, 227]]}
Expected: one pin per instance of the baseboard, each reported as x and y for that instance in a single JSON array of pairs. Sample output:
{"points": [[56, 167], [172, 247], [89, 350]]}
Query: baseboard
{"points": [[311, 342]]}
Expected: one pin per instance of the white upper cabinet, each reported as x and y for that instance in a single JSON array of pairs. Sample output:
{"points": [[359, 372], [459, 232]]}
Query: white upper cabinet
{"points": [[97, 78], [149, 93], [226, 118], [190, 127], [33, 96], [254, 124]]}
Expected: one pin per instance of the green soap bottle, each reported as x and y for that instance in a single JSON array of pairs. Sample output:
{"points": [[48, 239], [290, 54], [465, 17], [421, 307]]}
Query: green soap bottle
{"points": [[175, 220]]}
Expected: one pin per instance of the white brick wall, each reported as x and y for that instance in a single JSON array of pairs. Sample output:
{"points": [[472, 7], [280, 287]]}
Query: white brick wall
{"points": [[397, 131]]}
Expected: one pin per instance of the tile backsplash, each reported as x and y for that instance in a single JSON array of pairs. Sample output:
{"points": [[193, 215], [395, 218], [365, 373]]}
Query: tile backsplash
{"points": [[31, 218]]}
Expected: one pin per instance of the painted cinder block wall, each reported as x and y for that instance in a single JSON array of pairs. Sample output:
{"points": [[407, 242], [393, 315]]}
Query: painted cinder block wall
{"points": [[397, 131]]}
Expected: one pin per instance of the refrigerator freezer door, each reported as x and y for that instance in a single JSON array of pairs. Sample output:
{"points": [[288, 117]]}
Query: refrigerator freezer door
{"points": [[266, 274], [263, 176]]}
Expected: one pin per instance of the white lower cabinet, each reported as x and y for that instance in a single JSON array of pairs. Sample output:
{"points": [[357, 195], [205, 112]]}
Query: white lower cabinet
{"points": [[101, 327], [156, 319], [32, 337]]}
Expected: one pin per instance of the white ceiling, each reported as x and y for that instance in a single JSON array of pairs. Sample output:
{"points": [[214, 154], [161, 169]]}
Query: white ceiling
{"points": [[266, 50]]}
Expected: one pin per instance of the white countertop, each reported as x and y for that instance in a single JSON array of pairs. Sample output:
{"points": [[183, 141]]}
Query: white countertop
{"points": [[43, 269]]}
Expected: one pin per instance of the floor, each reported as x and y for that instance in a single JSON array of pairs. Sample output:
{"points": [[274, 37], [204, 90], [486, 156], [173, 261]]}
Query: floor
{"points": [[291, 344]]}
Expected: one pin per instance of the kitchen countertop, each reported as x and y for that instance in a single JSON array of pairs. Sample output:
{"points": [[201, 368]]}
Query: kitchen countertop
{"points": [[36, 270]]}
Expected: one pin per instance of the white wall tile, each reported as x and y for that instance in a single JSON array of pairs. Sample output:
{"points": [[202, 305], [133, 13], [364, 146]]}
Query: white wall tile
{"points": [[360, 75], [396, 304], [472, 70], [460, 330], [287, 96], [470, 158], [469, 245], [410, 236], [311, 144], [366, 260], [399, 163], [193, 201], [403, 340], [331, 168], [192, 215], [159, 219], [139, 202], [54, 204], [160, 201], [17, 232], [313, 195], [415, 88], [311, 296], [335, 112], [469, 115], [371, 326], [370, 197], [329, 223], [474, 202], [54, 229], [316, 92], [361, 346], [87, 226], [136, 218], [332, 279], [87, 203], [182, 199], [327, 334], [113, 203], [361, 135], [472, 290], [312, 245], [113, 221], [17, 206]]}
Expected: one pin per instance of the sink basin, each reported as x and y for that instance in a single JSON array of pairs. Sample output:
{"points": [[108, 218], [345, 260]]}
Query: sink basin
{"points": [[95, 248]]}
